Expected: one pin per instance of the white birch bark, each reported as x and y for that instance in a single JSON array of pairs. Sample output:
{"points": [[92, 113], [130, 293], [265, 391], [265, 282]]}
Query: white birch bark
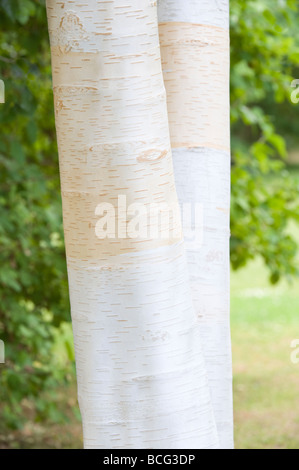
{"points": [[194, 39], [140, 370]]}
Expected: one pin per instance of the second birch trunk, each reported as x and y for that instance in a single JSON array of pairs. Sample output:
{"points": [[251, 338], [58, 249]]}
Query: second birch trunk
{"points": [[194, 38]]}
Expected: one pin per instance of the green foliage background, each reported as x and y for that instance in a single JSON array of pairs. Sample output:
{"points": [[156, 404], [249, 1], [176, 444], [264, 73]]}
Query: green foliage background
{"points": [[34, 306]]}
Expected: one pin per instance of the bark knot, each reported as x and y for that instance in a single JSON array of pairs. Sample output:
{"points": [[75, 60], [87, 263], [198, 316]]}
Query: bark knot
{"points": [[152, 155]]}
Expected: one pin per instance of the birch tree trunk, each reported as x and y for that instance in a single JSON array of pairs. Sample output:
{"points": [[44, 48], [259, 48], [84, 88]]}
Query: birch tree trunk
{"points": [[141, 375], [194, 38]]}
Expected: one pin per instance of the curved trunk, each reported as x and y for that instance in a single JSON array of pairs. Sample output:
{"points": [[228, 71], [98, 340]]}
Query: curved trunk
{"points": [[194, 38], [140, 370]]}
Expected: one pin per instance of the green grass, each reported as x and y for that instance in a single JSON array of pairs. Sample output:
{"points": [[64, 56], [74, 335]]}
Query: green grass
{"points": [[264, 320]]}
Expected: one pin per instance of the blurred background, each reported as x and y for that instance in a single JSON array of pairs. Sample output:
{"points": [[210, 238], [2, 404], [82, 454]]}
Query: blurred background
{"points": [[38, 406]]}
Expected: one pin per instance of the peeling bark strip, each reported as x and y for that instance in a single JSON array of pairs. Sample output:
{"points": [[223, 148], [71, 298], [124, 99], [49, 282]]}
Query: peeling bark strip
{"points": [[141, 375], [194, 38]]}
